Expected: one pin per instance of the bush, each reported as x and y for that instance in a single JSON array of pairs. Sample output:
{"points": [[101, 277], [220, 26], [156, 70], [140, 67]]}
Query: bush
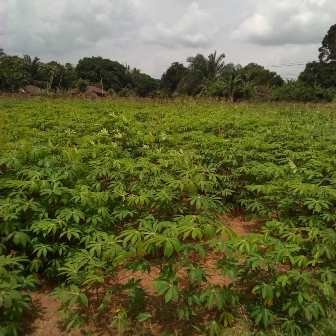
{"points": [[300, 92], [112, 93], [14, 298], [233, 89], [82, 85], [216, 89], [127, 92]]}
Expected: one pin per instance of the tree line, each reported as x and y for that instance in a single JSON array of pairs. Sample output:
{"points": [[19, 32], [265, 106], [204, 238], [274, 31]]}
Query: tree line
{"points": [[201, 76], [17, 72]]}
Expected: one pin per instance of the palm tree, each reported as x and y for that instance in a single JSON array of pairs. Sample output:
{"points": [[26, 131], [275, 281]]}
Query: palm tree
{"points": [[202, 71], [215, 65], [32, 66], [237, 86], [208, 68]]}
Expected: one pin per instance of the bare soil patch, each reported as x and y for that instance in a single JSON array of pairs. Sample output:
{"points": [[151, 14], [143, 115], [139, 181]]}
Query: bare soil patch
{"points": [[240, 225], [47, 321]]}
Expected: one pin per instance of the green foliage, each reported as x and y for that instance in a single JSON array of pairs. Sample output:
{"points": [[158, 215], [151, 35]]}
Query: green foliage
{"points": [[298, 91], [100, 196], [15, 301], [17, 72], [144, 85], [82, 85], [110, 74], [13, 73], [260, 76], [127, 92], [201, 71], [233, 84], [172, 77], [319, 74], [328, 48]]}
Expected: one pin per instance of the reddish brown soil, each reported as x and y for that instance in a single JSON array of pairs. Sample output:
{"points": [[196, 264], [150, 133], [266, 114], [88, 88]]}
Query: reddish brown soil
{"points": [[146, 279], [48, 321], [240, 225]]}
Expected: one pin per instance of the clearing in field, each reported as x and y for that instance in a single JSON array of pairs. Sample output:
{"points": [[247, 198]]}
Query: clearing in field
{"points": [[134, 217]]}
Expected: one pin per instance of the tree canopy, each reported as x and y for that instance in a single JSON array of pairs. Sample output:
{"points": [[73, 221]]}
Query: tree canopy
{"points": [[319, 74], [260, 76], [143, 84], [328, 48], [172, 77], [13, 73], [111, 74], [203, 75]]}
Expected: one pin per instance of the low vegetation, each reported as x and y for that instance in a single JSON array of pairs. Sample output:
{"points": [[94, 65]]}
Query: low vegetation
{"points": [[97, 196]]}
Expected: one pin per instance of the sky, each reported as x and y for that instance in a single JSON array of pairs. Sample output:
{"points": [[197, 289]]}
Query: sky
{"points": [[282, 35]]}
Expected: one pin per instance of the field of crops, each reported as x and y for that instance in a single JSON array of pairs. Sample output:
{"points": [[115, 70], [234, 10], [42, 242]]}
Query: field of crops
{"points": [[177, 218]]}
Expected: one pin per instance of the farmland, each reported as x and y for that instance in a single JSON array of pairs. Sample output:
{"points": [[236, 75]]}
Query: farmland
{"points": [[130, 213]]}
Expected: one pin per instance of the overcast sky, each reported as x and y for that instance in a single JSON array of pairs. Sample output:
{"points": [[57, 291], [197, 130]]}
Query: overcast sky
{"points": [[151, 34]]}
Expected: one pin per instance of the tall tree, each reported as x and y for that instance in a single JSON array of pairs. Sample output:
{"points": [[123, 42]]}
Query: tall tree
{"points": [[172, 77], [209, 68], [235, 84], [198, 65], [328, 48], [319, 74], [110, 74], [143, 84], [215, 65], [13, 73], [33, 67], [52, 75], [69, 76], [202, 71], [260, 76]]}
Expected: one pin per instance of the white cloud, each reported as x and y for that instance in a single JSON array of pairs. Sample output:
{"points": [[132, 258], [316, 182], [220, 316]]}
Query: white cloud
{"points": [[60, 27], [57, 27], [287, 22], [194, 28]]}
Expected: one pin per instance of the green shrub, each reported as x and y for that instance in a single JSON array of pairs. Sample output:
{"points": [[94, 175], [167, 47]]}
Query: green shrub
{"points": [[14, 300], [300, 92], [82, 85], [126, 92], [90, 190]]}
